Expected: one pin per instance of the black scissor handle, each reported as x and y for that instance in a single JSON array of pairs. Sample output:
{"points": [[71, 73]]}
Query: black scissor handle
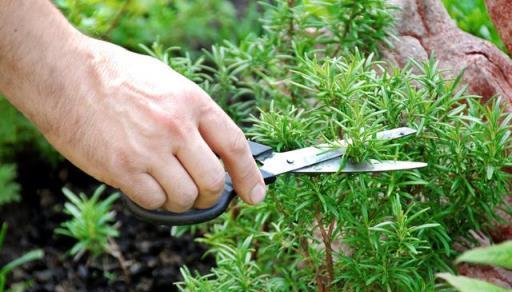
{"points": [[193, 216], [196, 216]]}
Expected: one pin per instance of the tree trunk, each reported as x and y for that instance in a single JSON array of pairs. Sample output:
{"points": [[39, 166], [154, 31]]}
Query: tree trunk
{"points": [[424, 28], [500, 12]]}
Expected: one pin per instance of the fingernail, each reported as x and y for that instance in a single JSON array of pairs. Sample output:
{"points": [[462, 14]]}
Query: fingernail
{"points": [[257, 193]]}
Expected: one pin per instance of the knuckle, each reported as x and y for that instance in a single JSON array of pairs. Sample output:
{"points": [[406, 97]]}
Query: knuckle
{"points": [[184, 202], [190, 196], [206, 203], [176, 207], [248, 173], [192, 97], [148, 201], [177, 125], [214, 184], [170, 121], [121, 160], [153, 202], [207, 109], [193, 94], [238, 145]]}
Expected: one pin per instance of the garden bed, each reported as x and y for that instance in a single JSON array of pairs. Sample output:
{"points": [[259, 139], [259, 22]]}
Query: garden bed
{"points": [[152, 255]]}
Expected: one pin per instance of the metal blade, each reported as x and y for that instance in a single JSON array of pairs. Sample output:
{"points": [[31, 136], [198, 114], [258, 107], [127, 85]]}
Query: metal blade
{"points": [[279, 163], [333, 165], [395, 133]]}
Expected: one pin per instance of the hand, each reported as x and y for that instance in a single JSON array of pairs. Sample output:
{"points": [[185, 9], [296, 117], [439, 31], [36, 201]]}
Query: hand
{"points": [[136, 124], [126, 119]]}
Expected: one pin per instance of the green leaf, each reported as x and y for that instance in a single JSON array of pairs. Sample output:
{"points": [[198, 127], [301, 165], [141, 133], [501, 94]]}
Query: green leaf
{"points": [[465, 284], [497, 255], [3, 231], [28, 257]]}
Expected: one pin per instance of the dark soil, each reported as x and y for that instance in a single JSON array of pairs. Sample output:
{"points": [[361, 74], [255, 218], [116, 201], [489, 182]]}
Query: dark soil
{"points": [[152, 255]]}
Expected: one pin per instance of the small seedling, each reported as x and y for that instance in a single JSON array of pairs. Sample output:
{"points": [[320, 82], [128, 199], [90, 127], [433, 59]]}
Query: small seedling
{"points": [[28, 257], [91, 222]]}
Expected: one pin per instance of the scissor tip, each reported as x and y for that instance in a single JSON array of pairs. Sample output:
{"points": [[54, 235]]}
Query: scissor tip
{"points": [[420, 164]]}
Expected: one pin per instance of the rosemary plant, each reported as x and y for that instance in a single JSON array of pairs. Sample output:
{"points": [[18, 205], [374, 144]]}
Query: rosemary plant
{"points": [[306, 83]]}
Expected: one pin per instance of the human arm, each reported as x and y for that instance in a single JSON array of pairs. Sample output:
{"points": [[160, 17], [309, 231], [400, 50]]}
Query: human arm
{"points": [[126, 119]]}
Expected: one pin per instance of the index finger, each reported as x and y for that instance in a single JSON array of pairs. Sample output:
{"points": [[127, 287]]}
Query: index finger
{"points": [[229, 142]]}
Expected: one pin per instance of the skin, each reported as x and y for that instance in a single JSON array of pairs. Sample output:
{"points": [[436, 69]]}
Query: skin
{"points": [[126, 119]]}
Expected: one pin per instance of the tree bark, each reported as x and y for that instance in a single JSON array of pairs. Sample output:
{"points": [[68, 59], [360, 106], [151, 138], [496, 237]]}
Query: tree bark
{"points": [[424, 28], [500, 12]]}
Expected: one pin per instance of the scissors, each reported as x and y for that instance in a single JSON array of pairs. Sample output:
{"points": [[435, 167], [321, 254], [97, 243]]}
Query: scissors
{"points": [[309, 160]]}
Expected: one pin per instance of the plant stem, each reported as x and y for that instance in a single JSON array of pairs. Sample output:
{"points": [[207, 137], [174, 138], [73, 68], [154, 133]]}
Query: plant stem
{"points": [[291, 32], [307, 258], [326, 238]]}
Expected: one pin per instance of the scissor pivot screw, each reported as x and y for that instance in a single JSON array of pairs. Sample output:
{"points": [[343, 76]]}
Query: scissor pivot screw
{"points": [[290, 161]]}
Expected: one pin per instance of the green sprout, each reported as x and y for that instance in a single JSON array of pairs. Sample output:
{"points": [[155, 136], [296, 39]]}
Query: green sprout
{"points": [[28, 257], [91, 222]]}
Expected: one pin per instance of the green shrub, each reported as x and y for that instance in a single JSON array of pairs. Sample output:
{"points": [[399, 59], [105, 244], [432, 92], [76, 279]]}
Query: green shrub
{"points": [[91, 222], [190, 24], [471, 16], [362, 232], [497, 255], [7, 268]]}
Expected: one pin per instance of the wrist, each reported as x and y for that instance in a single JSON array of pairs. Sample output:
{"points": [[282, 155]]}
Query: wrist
{"points": [[55, 81], [40, 55]]}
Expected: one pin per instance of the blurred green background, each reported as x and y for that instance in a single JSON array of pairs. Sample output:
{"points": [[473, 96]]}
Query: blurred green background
{"points": [[191, 24], [472, 16]]}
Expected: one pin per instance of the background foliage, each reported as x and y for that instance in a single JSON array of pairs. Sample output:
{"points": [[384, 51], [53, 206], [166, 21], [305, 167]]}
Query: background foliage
{"points": [[190, 24], [471, 16]]}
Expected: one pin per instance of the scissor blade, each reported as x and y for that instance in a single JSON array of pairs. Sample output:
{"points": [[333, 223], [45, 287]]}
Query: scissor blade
{"points": [[395, 133], [284, 162], [279, 163], [333, 165]]}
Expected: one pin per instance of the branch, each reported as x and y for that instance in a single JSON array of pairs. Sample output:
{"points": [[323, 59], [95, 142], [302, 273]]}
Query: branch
{"points": [[307, 257], [326, 238]]}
